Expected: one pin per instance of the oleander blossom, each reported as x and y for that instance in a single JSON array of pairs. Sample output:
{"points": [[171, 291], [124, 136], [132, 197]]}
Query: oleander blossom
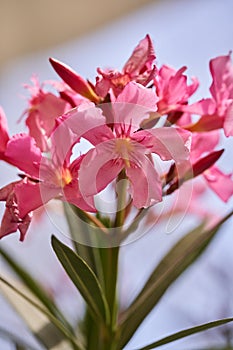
{"points": [[128, 147], [134, 120], [139, 68]]}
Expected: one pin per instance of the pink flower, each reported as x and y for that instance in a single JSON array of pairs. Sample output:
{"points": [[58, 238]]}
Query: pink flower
{"points": [[139, 68], [11, 221], [203, 158], [127, 147], [221, 69], [172, 89], [19, 150], [44, 108], [44, 179], [217, 112]]}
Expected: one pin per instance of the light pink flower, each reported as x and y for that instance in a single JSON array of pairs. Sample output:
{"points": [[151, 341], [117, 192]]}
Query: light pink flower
{"points": [[217, 112], [172, 89], [129, 148]]}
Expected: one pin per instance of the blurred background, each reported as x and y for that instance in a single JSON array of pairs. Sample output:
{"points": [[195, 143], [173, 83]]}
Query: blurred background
{"points": [[87, 35]]}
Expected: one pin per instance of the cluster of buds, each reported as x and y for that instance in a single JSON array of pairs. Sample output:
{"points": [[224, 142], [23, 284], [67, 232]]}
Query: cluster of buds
{"points": [[132, 119]]}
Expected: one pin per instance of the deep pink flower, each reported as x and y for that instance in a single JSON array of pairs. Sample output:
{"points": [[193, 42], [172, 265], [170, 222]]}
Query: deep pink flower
{"points": [[127, 147], [19, 150], [172, 89], [44, 179], [138, 68], [12, 221]]}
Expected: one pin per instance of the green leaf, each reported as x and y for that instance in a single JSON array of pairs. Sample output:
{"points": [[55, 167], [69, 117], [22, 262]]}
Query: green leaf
{"points": [[84, 279], [82, 230], [182, 255], [186, 332], [57, 323], [35, 288]]}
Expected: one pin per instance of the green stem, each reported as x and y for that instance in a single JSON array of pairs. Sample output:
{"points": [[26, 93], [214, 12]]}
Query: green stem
{"points": [[110, 257]]}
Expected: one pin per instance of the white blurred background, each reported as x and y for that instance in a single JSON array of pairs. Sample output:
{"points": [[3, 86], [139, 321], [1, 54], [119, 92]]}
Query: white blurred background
{"points": [[185, 32]]}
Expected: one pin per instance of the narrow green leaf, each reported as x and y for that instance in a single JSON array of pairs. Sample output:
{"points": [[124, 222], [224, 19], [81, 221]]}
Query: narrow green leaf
{"points": [[182, 255], [35, 288], [84, 279], [186, 332], [67, 334], [82, 230]]}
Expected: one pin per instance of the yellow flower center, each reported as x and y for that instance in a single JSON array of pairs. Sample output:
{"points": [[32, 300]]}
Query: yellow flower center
{"points": [[64, 177], [123, 148]]}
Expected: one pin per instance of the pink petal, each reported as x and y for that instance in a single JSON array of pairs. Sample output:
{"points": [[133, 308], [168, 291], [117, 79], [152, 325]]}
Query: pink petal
{"points": [[71, 194], [36, 130], [45, 108], [142, 57], [133, 104], [205, 106], [221, 69], [146, 186], [220, 183], [7, 190], [22, 152], [87, 122], [31, 195], [7, 225], [204, 142], [169, 143], [4, 137], [228, 123], [99, 167]]}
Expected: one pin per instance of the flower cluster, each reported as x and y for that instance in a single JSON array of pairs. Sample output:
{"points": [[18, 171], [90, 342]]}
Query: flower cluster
{"points": [[133, 119]]}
